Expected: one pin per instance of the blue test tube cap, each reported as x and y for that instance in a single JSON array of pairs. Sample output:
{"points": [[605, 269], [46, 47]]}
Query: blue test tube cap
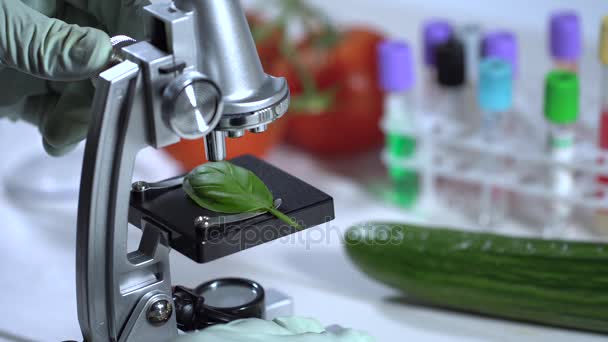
{"points": [[495, 85]]}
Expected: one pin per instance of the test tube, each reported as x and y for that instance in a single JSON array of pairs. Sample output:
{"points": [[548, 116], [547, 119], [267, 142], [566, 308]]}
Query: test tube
{"points": [[561, 111], [470, 35], [397, 80], [502, 45], [435, 32], [602, 217], [565, 41], [495, 94], [451, 77]]}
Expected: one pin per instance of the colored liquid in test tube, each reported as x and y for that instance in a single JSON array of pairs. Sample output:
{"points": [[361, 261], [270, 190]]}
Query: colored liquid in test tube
{"points": [[503, 45], [397, 80], [565, 40], [561, 111], [495, 96], [602, 217], [434, 33], [603, 127]]}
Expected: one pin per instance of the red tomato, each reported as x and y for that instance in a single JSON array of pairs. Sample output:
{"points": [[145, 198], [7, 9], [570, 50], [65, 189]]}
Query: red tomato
{"points": [[351, 123], [267, 43]]}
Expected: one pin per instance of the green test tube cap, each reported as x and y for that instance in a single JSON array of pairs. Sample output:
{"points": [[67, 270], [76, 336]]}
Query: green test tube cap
{"points": [[562, 97]]}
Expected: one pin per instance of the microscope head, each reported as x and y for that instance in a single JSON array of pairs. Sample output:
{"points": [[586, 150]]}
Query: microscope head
{"points": [[215, 86], [224, 51]]}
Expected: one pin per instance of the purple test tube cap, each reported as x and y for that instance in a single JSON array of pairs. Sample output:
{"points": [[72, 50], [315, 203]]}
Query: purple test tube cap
{"points": [[565, 41], [502, 45], [396, 66], [435, 32]]}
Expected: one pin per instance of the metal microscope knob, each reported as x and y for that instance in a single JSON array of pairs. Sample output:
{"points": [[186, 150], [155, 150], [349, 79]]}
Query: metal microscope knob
{"points": [[119, 42], [192, 105], [118, 55]]}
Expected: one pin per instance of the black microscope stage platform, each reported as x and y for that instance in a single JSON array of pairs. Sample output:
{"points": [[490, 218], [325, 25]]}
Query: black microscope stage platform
{"points": [[174, 212]]}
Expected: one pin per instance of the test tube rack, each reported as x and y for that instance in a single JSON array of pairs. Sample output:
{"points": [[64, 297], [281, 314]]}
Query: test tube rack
{"points": [[452, 153]]}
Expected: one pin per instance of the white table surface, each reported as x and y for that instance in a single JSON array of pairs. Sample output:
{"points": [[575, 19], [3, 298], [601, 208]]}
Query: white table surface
{"points": [[37, 288]]}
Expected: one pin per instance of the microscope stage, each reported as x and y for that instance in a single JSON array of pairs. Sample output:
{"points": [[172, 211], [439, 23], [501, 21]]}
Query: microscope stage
{"points": [[175, 213]]}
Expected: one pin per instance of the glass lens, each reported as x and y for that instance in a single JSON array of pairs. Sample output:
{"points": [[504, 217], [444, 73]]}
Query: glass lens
{"points": [[229, 296]]}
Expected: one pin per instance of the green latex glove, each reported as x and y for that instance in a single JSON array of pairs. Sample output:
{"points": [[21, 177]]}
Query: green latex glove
{"points": [[46, 63], [293, 329]]}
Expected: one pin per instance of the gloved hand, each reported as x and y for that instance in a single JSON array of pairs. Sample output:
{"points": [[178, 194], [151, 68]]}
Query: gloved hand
{"points": [[45, 63], [292, 329]]}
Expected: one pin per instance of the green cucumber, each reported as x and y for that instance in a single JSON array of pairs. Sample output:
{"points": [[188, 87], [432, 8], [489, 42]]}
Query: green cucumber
{"points": [[557, 283]]}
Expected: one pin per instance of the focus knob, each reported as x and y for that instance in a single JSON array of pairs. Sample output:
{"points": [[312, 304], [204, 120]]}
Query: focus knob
{"points": [[192, 105], [119, 42]]}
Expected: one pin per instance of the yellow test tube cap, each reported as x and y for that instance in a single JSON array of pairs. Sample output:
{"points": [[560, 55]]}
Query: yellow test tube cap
{"points": [[604, 41]]}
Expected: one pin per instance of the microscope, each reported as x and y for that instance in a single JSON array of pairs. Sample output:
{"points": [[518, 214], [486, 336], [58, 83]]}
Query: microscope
{"points": [[198, 76]]}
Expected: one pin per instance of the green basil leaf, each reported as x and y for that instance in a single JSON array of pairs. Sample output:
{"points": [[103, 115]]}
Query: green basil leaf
{"points": [[226, 188]]}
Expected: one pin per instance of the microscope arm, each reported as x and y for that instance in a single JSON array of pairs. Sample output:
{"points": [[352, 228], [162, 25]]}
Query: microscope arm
{"points": [[111, 285]]}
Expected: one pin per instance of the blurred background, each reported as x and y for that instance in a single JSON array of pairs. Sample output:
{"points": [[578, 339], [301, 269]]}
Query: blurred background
{"points": [[381, 121]]}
